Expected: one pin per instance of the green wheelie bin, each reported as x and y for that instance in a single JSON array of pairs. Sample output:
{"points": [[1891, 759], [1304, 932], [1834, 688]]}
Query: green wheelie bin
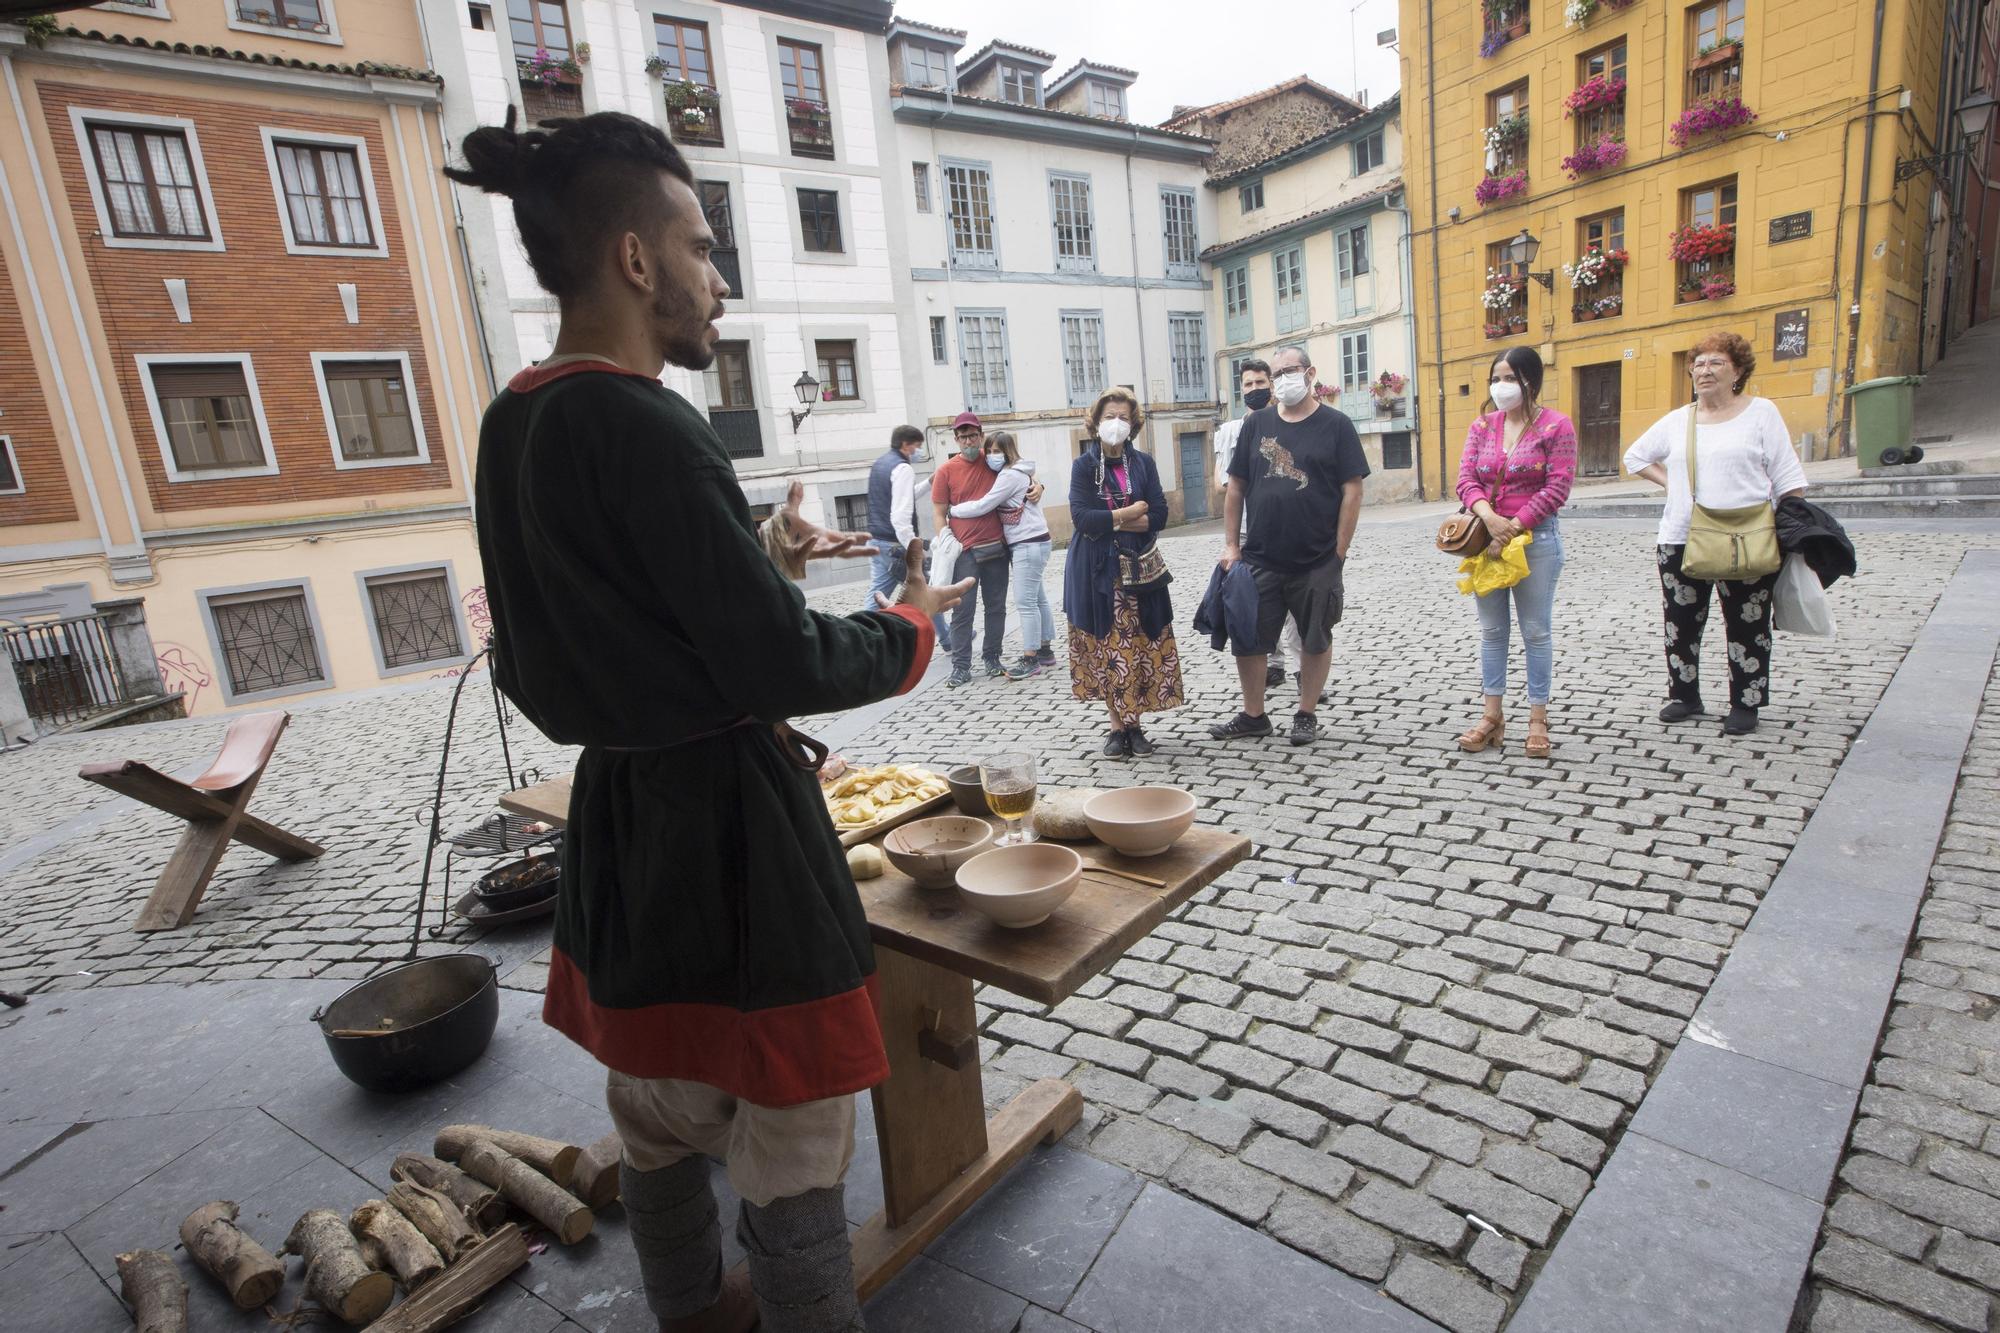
{"points": [[1882, 410]]}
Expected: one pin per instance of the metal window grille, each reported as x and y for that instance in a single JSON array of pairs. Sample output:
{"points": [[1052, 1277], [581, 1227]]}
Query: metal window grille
{"points": [[1076, 243], [732, 403], [1083, 357], [267, 640], [149, 185], [939, 355], [819, 221], [1182, 243], [968, 192], [1190, 358], [372, 415], [415, 621], [323, 194], [850, 512]]}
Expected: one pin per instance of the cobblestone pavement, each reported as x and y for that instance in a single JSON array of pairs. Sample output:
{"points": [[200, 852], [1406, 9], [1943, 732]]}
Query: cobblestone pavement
{"points": [[1912, 1240], [1433, 995]]}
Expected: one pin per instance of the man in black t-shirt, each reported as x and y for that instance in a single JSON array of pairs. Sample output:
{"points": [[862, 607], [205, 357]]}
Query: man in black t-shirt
{"points": [[1298, 466]]}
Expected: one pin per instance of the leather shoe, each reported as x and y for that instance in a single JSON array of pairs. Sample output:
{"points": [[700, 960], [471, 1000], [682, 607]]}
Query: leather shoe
{"points": [[1740, 722], [1680, 711], [1118, 745]]}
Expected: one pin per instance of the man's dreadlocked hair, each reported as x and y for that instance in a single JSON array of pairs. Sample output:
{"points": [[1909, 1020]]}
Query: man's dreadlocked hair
{"points": [[573, 184]]}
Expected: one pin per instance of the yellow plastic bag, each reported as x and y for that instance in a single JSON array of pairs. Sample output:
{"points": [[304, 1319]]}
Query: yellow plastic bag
{"points": [[1486, 573]]}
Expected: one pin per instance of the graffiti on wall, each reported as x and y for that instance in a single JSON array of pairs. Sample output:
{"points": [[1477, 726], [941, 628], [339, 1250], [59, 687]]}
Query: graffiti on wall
{"points": [[479, 619], [181, 670]]}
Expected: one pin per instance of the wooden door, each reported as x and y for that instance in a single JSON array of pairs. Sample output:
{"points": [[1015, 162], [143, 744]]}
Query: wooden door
{"points": [[1597, 424], [1194, 475]]}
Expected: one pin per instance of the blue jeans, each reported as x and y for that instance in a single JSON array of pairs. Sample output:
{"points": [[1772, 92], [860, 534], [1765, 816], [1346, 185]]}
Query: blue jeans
{"points": [[885, 570], [1533, 600], [1031, 600]]}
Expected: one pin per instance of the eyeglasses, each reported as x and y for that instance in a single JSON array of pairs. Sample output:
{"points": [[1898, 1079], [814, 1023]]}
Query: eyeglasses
{"points": [[1714, 365]]}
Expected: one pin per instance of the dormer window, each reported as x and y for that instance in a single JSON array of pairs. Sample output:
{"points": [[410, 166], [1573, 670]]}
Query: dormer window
{"points": [[926, 66], [1106, 99], [1020, 84]]}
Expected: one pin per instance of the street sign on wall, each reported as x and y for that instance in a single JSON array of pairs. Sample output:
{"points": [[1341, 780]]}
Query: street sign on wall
{"points": [[1791, 227]]}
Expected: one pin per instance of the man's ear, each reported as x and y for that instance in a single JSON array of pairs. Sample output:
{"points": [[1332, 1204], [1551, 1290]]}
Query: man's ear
{"points": [[634, 264]]}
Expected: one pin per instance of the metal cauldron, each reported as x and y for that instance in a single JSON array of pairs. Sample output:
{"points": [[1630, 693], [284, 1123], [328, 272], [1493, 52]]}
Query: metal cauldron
{"points": [[415, 1024]]}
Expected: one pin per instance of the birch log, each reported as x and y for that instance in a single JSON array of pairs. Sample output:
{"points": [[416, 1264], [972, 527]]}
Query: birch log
{"points": [[222, 1249], [389, 1241], [478, 1202], [152, 1286], [595, 1179], [529, 1190], [553, 1159], [443, 1225], [336, 1274]]}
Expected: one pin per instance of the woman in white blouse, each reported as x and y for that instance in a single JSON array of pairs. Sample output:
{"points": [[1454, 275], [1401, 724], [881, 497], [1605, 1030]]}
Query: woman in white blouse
{"points": [[1745, 457]]}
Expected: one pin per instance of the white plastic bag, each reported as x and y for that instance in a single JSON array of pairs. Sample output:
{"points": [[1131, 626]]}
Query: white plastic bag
{"points": [[1799, 603], [944, 557]]}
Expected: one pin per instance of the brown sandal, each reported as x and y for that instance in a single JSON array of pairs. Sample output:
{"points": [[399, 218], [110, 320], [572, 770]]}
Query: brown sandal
{"points": [[1538, 738], [1488, 731]]}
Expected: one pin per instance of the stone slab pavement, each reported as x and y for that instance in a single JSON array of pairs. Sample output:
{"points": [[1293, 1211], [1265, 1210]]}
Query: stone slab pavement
{"points": [[1401, 1039], [124, 1108]]}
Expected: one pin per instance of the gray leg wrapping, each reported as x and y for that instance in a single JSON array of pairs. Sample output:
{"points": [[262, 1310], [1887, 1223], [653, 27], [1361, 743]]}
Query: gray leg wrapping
{"points": [[672, 1215], [800, 1263]]}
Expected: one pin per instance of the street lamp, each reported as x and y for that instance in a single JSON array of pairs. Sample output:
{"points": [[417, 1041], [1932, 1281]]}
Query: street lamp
{"points": [[1526, 247], [1975, 113], [807, 388]]}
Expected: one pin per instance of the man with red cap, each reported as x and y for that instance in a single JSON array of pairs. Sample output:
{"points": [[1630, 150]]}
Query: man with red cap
{"points": [[963, 477]]}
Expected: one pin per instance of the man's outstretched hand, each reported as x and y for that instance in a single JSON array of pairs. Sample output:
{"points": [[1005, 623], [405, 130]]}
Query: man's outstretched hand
{"points": [[918, 592], [821, 543]]}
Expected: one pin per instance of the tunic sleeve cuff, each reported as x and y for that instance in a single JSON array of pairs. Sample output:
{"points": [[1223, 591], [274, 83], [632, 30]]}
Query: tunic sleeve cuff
{"points": [[920, 660]]}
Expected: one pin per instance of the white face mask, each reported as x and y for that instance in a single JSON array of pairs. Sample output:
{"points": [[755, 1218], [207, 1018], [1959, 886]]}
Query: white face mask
{"points": [[1290, 387], [1114, 431], [1506, 394]]}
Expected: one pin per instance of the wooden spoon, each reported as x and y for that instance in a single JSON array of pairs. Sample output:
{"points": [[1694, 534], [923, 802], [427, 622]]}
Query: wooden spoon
{"points": [[1132, 875]]}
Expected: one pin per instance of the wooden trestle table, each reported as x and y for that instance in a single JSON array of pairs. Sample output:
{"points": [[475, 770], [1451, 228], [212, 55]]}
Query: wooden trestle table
{"points": [[939, 1151]]}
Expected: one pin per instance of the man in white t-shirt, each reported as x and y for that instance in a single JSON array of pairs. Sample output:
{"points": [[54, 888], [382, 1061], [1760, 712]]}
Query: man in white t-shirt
{"points": [[1255, 383]]}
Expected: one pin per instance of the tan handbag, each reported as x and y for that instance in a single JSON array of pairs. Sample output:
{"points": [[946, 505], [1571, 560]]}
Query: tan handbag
{"points": [[1464, 533], [1733, 544]]}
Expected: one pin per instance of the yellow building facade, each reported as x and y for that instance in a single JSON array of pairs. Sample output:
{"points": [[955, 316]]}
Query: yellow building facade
{"points": [[1765, 134]]}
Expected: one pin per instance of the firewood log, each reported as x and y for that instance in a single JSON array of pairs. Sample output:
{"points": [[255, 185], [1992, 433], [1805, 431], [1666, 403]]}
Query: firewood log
{"points": [[478, 1202], [437, 1217], [336, 1274], [595, 1179], [389, 1241], [461, 1288], [222, 1249], [529, 1190], [152, 1286], [554, 1160]]}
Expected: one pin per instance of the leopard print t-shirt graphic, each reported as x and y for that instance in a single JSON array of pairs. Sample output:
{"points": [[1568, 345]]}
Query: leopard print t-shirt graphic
{"points": [[1280, 460]]}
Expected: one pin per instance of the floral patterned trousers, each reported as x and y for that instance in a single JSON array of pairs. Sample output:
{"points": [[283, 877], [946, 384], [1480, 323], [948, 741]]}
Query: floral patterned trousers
{"points": [[1746, 620]]}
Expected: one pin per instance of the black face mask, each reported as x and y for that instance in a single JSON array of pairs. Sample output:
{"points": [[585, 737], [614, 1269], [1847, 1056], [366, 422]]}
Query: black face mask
{"points": [[1257, 399]]}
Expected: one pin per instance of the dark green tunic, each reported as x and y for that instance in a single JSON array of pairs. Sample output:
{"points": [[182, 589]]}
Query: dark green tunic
{"points": [[707, 927]]}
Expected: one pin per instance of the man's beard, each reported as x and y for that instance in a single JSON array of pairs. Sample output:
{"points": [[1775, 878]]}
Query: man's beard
{"points": [[687, 348]]}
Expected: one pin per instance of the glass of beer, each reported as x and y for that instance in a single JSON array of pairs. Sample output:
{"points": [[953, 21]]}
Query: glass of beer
{"points": [[1009, 782]]}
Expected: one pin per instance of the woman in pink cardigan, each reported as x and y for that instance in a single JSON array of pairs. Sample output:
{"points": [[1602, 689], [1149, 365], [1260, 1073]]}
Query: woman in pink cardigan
{"points": [[1515, 474]]}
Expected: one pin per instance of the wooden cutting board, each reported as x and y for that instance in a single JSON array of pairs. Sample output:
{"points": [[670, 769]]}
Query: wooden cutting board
{"points": [[854, 837]]}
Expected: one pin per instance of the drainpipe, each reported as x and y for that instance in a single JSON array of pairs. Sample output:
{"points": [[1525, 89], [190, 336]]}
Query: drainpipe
{"points": [[1437, 274], [1861, 235], [1406, 258], [1138, 305]]}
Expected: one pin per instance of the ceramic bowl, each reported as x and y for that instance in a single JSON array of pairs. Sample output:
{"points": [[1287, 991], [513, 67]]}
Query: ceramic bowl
{"points": [[1019, 886], [966, 792], [1140, 821], [930, 851]]}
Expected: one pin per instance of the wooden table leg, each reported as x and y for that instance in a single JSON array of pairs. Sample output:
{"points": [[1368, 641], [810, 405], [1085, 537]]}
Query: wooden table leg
{"points": [[939, 1152]]}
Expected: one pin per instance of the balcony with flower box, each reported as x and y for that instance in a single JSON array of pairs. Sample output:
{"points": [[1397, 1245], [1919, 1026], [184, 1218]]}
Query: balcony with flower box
{"points": [[1598, 279], [1505, 20], [1704, 255], [1579, 13], [551, 87], [694, 113], [810, 125], [1506, 302]]}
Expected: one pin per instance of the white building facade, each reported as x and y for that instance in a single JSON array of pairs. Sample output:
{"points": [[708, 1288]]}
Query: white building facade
{"points": [[782, 112], [1053, 251]]}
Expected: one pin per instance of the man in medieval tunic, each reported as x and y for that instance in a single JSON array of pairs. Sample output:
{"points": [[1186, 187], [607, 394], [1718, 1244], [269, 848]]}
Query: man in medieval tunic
{"points": [[710, 947]]}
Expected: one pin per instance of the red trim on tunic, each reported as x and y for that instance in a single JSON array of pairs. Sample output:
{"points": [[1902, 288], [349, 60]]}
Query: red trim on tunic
{"points": [[777, 1057], [531, 378], [920, 660]]}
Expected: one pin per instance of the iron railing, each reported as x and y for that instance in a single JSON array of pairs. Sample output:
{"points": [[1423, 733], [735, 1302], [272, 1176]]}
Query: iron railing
{"points": [[68, 669]]}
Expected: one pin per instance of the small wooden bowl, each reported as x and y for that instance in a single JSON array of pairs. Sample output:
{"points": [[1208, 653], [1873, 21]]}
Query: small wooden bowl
{"points": [[1019, 886], [966, 791], [930, 851], [1140, 821]]}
